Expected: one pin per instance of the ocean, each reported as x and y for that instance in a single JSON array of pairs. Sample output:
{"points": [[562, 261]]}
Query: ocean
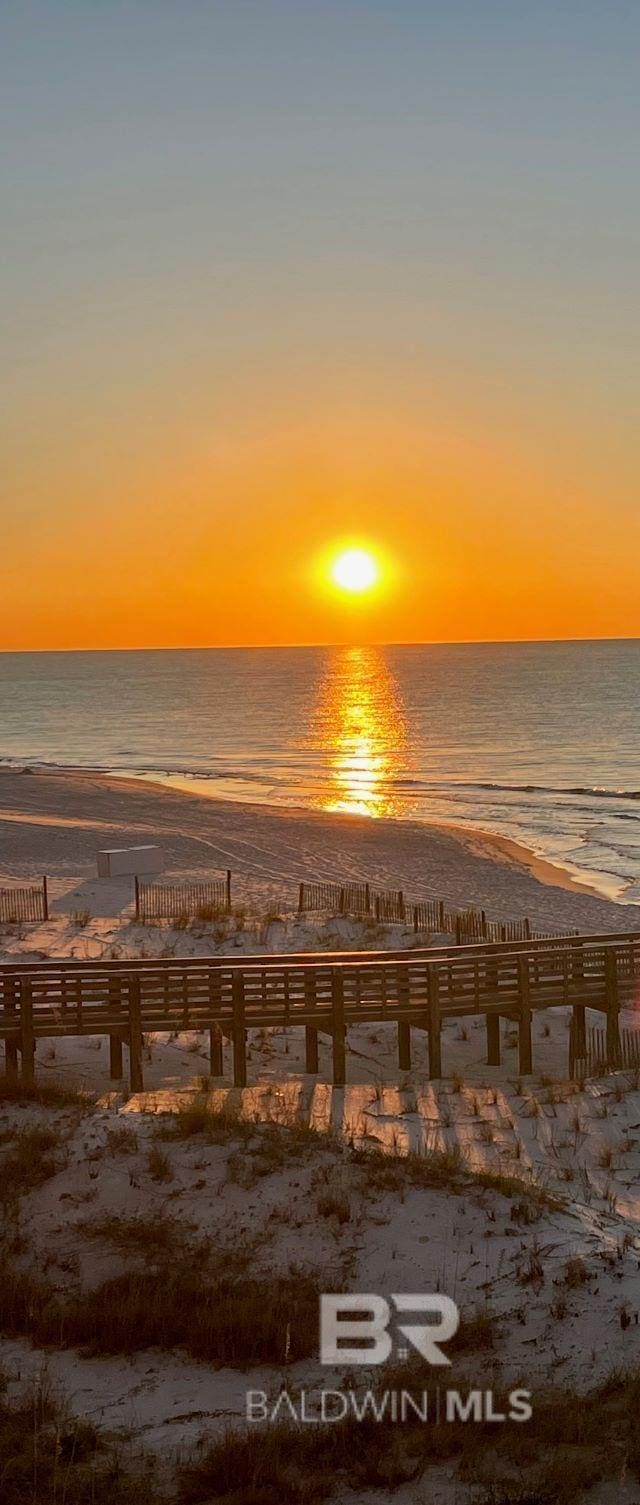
{"points": [[539, 742]]}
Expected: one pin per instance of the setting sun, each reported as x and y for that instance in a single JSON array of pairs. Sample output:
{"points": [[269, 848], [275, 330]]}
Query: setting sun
{"points": [[355, 570]]}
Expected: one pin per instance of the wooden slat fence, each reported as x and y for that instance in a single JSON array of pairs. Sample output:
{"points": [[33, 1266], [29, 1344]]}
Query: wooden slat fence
{"points": [[353, 899], [164, 901], [319, 896], [24, 906], [229, 997], [590, 1054], [389, 906], [472, 925], [358, 900]]}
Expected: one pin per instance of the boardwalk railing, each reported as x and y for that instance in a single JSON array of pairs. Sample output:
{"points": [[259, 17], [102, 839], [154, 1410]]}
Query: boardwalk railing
{"points": [[322, 994], [24, 906], [200, 901]]}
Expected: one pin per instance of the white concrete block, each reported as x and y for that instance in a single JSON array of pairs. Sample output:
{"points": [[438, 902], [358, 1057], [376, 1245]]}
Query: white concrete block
{"points": [[135, 860]]}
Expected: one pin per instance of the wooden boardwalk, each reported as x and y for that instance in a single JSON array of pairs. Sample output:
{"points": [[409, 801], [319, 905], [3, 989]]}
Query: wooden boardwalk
{"points": [[322, 993]]}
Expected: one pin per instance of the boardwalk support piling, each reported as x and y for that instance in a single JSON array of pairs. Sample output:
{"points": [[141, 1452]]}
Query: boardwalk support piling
{"points": [[136, 1082], [404, 1026], [525, 1056], [435, 1048], [239, 1032], [11, 994], [116, 1069], [339, 1053], [310, 1033], [27, 1039], [493, 1039], [404, 1045], [216, 1062], [613, 1007]]}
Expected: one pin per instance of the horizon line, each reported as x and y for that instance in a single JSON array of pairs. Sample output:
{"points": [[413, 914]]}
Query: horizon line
{"points": [[337, 643]]}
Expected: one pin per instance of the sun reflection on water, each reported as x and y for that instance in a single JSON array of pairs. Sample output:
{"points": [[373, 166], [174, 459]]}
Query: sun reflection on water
{"points": [[359, 727]]}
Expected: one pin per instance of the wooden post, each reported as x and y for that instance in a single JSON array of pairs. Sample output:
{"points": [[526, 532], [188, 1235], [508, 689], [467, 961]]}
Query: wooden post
{"points": [[367, 898], [338, 1029], [239, 1031], [493, 1039], [441, 915], [525, 1058], [45, 898], [301, 898], [11, 990], [136, 1082], [228, 889], [404, 1045], [404, 1027], [136, 884], [415, 917], [401, 907], [27, 1038], [216, 1061], [435, 1049], [579, 1010], [310, 1033], [116, 1070], [613, 1006], [458, 930]]}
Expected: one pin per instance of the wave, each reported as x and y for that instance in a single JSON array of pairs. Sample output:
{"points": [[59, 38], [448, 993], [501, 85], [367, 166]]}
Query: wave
{"points": [[591, 791]]}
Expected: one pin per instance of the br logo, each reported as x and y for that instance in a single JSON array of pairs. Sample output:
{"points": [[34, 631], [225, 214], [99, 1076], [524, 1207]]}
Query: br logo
{"points": [[356, 1329]]}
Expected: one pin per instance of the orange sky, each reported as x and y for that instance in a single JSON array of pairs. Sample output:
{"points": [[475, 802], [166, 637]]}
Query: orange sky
{"points": [[280, 277], [197, 535]]}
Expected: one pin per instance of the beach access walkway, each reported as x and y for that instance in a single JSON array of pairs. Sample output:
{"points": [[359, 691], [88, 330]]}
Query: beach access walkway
{"points": [[321, 993]]}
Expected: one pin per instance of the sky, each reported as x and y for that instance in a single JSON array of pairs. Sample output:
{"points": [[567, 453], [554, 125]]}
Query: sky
{"points": [[282, 278]]}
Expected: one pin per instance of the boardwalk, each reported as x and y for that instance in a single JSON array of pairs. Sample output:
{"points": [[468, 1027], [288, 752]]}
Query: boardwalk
{"points": [[326, 994]]}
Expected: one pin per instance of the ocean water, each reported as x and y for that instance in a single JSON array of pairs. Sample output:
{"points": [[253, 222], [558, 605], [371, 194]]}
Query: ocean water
{"points": [[538, 742]]}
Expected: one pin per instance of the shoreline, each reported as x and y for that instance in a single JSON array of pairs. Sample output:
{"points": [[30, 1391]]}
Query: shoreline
{"points": [[510, 850], [56, 822], [195, 786], [505, 848]]}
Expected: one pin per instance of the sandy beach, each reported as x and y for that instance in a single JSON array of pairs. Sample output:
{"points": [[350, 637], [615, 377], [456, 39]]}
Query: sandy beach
{"points": [[56, 823]]}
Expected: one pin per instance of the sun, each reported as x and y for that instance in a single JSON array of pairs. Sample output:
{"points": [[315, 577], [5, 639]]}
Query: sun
{"points": [[355, 570]]}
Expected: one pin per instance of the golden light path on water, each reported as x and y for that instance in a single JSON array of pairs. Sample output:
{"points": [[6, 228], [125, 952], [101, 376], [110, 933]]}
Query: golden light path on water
{"points": [[359, 726]]}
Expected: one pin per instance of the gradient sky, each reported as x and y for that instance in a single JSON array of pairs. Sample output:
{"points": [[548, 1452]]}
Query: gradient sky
{"points": [[282, 273]]}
